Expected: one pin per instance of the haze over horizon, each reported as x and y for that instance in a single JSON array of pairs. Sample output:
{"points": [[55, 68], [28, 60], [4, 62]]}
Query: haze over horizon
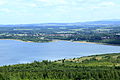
{"points": [[57, 11]]}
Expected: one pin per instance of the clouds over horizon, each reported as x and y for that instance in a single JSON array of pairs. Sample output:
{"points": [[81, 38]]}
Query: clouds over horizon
{"points": [[58, 10]]}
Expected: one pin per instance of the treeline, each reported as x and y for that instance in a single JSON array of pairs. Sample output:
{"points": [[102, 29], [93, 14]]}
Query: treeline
{"points": [[98, 67]]}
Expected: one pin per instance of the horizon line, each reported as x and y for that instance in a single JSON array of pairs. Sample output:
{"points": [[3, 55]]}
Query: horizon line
{"points": [[58, 22]]}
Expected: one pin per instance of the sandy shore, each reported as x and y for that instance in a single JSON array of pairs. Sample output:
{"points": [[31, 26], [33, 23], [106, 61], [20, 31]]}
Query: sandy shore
{"points": [[80, 42], [57, 41], [54, 41], [25, 41], [86, 42], [77, 41]]}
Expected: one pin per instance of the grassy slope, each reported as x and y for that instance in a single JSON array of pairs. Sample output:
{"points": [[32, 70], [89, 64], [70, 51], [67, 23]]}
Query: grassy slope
{"points": [[96, 60]]}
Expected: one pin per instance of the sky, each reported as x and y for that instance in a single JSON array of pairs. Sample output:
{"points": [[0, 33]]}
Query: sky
{"points": [[57, 11]]}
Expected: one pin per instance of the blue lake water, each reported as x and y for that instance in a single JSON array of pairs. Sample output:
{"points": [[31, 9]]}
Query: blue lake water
{"points": [[14, 52]]}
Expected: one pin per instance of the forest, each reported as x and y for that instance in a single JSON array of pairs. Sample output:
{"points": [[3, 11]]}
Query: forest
{"points": [[95, 67]]}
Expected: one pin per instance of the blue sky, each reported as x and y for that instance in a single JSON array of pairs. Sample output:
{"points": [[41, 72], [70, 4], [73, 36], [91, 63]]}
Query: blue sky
{"points": [[57, 11]]}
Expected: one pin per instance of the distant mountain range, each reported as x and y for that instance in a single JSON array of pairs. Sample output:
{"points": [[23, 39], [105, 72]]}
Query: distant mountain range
{"points": [[102, 22]]}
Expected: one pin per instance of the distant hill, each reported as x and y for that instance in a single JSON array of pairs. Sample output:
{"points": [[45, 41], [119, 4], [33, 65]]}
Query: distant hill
{"points": [[102, 22], [110, 22]]}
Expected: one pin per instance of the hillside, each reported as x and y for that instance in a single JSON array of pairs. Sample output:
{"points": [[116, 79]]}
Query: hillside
{"points": [[96, 67], [104, 22], [96, 60]]}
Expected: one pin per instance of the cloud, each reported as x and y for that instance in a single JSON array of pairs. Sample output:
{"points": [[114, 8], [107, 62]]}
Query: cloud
{"points": [[102, 5], [5, 10], [2, 2], [31, 5], [56, 8], [53, 2], [108, 4]]}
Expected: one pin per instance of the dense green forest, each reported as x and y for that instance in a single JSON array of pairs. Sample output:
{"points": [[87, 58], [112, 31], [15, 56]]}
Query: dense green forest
{"points": [[96, 67]]}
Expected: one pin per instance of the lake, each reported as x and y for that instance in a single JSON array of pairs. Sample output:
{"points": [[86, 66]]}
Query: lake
{"points": [[14, 52]]}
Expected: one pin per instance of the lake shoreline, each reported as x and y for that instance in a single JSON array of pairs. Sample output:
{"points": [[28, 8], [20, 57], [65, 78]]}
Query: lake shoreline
{"points": [[16, 40], [52, 41], [63, 40]]}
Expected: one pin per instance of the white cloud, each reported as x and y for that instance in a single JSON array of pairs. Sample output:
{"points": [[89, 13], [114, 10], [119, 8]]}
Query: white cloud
{"points": [[5, 10], [108, 4], [2, 2], [102, 5], [31, 5], [52, 2]]}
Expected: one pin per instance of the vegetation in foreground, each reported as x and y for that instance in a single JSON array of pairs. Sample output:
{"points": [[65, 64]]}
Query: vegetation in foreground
{"points": [[96, 67]]}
